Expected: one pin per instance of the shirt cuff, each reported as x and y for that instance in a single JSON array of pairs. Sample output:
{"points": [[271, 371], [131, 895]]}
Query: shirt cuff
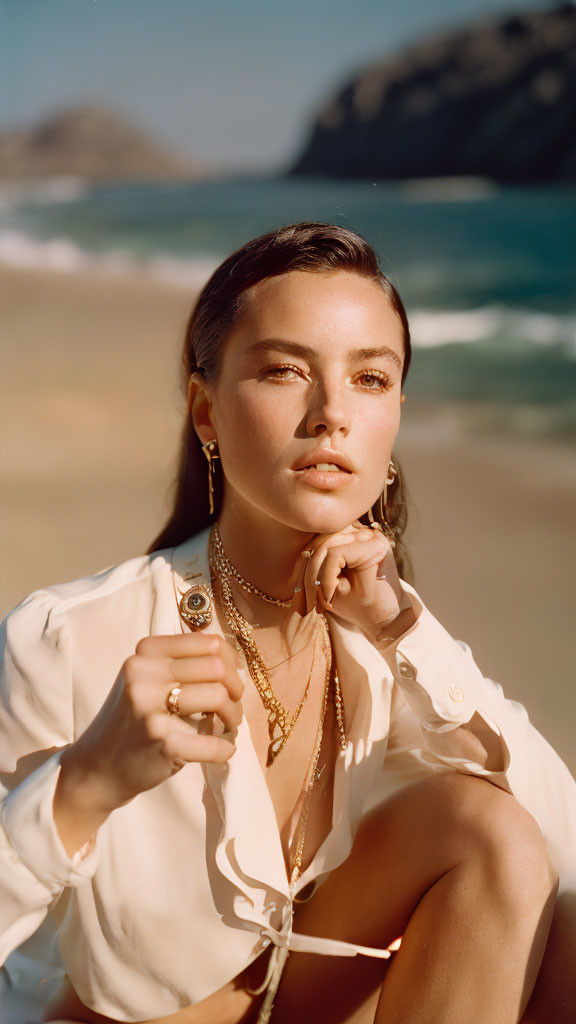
{"points": [[28, 820], [436, 673]]}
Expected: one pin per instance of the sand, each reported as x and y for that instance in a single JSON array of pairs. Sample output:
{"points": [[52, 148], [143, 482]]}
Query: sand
{"points": [[90, 415]]}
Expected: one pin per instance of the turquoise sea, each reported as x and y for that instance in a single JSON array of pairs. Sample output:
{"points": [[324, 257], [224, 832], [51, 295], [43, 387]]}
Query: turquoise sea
{"points": [[488, 274]]}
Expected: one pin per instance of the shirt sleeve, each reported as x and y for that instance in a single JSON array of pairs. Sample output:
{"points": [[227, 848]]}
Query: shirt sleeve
{"points": [[36, 724], [447, 714]]}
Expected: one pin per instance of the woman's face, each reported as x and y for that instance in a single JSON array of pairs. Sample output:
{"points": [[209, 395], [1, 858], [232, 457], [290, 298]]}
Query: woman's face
{"points": [[310, 375]]}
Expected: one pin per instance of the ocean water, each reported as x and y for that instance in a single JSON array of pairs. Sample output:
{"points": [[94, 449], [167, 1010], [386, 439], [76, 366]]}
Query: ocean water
{"points": [[487, 274]]}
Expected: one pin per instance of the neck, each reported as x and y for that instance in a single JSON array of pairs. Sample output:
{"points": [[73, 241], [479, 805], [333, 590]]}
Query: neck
{"points": [[264, 551]]}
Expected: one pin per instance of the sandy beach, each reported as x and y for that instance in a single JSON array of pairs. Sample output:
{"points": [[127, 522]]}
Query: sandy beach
{"points": [[91, 412]]}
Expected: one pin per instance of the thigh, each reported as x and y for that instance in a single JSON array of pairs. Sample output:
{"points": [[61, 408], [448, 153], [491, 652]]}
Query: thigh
{"points": [[553, 1000], [402, 847]]}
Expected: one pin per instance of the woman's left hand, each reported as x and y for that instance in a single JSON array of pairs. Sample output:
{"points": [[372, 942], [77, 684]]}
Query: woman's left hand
{"points": [[357, 578]]}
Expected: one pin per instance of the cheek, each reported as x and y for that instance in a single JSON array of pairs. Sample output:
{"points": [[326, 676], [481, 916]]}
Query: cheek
{"points": [[377, 429], [252, 425]]}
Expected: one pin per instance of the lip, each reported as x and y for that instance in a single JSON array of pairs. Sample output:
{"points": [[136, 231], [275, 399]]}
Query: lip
{"points": [[324, 455], [324, 480]]}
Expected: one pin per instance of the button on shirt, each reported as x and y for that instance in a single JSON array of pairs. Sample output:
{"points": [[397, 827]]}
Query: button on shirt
{"points": [[199, 858]]}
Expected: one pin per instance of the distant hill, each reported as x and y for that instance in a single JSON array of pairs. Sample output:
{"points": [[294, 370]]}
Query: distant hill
{"points": [[92, 143], [496, 99]]}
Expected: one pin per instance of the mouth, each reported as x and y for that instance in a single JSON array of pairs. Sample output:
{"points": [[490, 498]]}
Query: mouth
{"points": [[324, 476], [325, 459], [325, 467]]}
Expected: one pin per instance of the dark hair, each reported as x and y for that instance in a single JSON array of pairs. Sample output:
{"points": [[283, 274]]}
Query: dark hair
{"points": [[309, 246]]}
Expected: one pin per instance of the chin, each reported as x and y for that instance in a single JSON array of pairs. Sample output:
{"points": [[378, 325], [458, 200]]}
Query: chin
{"points": [[320, 520]]}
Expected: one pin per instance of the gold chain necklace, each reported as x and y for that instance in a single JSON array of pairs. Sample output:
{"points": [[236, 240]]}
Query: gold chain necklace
{"points": [[251, 589], [279, 724], [233, 571], [221, 572], [297, 860], [282, 952]]}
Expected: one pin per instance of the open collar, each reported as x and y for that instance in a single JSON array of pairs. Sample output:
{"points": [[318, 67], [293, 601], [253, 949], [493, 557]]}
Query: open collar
{"points": [[249, 851]]}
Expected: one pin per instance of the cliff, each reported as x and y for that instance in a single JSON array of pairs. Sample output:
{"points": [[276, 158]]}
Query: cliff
{"points": [[90, 143], [496, 99]]}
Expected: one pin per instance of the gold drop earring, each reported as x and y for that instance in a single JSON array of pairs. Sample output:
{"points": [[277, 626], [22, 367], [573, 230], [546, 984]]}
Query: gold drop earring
{"points": [[386, 529], [210, 450]]}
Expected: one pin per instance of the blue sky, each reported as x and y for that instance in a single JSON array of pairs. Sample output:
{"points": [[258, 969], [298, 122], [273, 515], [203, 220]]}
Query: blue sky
{"points": [[234, 83]]}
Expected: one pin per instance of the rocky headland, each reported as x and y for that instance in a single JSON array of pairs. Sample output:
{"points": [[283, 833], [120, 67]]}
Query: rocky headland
{"points": [[496, 99], [91, 143]]}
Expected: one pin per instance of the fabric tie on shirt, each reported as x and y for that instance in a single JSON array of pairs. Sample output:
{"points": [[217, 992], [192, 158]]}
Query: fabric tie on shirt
{"points": [[287, 940]]}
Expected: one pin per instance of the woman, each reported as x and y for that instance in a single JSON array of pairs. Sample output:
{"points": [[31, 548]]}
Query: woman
{"points": [[191, 736]]}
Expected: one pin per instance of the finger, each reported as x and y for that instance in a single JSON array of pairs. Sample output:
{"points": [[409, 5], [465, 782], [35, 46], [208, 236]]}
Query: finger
{"points": [[189, 645], [298, 603], [299, 599], [179, 645], [316, 580], [228, 650], [362, 560], [340, 543], [202, 697], [183, 744], [363, 571], [311, 566], [330, 577], [304, 599], [207, 669], [370, 553]]}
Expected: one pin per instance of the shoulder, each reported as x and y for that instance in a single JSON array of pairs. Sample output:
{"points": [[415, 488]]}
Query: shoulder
{"points": [[42, 614], [106, 609]]}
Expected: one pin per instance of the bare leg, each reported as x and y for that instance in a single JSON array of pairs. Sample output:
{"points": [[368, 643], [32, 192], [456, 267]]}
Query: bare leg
{"points": [[458, 868], [553, 1000], [472, 949]]}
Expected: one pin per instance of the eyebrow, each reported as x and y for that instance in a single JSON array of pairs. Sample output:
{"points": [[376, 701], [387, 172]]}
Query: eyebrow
{"points": [[296, 349]]}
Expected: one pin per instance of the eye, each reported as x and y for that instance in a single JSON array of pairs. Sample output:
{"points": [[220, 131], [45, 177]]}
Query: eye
{"points": [[377, 381], [281, 372]]}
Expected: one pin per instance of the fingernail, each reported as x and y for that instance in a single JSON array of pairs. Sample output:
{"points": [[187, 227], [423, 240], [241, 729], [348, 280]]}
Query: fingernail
{"points": [[297, 590], [317, 583]]}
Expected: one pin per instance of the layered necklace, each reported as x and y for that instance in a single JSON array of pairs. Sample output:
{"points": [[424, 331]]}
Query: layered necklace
{"points": [[280, 723]]}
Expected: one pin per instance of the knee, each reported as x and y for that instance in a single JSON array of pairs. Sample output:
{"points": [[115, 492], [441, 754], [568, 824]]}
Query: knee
{"points": [[554, 995], [502, 836]]}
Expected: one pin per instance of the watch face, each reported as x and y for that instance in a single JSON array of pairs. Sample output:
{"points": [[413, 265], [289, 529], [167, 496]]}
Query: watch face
{"points": [[196, 607]]}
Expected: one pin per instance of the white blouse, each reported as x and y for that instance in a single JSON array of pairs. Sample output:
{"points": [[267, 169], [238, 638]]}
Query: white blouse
{"points": [[183, 887]]}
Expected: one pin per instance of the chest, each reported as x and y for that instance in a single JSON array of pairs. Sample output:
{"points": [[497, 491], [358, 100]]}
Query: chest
{"points": [[291, 772]]}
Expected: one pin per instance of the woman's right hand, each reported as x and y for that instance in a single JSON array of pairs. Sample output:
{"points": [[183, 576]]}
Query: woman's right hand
{"points": [[134, 743]]}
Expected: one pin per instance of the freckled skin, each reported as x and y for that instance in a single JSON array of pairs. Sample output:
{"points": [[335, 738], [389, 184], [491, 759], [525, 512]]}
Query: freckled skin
{"points": [[264, 423]]}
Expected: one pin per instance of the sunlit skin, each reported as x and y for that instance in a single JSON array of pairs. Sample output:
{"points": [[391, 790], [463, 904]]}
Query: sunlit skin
{"points": [[311, 387], [448, 841]]}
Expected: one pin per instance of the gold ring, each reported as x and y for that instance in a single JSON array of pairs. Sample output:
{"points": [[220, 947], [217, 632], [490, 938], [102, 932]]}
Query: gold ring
{"points": [[307, 553], [172, 700]]}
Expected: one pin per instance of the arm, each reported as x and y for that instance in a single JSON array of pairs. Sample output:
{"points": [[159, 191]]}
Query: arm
{"points": [[464, 721], [36, 725], [447, 714]]}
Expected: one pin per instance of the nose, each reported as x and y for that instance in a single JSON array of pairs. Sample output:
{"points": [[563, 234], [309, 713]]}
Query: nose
{"points": [[329, 410]]}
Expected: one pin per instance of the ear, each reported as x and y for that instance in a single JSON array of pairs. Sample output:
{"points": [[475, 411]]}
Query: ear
{"points": [[200, 407]]}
